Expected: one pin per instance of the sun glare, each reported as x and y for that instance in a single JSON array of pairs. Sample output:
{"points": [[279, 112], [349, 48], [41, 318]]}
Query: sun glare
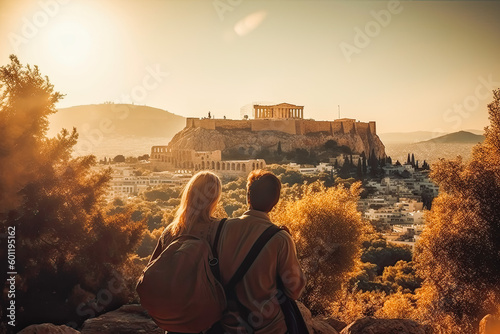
{"points": [[249, 23], [70, 43]]}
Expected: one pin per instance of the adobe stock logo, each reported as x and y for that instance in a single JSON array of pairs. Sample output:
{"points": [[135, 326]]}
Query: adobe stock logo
{"points": [[223, 6], [372, 29], [471, 102], [30, 28]]}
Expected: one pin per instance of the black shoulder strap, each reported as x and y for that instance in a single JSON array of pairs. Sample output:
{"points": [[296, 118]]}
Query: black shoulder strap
{"points": [[252, 255], [217, 237], [229, 288], [214, 262]]}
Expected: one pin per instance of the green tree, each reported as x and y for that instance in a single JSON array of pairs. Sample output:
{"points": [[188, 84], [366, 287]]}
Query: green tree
{"points": [[119, 158], [359, 170], [403, 277], [373, 162], [384, 254], [279, 151], [458, 254], [292, 177], [67, 247], [330, 145]]}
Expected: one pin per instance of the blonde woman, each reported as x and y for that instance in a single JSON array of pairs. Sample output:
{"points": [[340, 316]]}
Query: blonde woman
{"points": [[195, 214]]}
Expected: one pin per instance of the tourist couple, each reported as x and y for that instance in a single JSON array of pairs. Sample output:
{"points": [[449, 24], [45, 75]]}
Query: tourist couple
{"points": [[277, 258]]}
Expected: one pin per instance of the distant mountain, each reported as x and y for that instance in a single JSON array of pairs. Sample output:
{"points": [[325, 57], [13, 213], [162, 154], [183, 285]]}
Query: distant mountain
{"points": [[476, 132], [432, 147], [118, 119], [112, 129], [460, 137], [408, 137]]}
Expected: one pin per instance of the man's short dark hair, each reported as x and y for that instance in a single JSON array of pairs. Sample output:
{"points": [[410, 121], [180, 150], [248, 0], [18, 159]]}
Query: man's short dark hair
{"points": [[263, 190]]}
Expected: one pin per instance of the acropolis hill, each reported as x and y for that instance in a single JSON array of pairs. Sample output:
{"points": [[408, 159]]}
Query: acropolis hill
{"points": [[274, 125]]}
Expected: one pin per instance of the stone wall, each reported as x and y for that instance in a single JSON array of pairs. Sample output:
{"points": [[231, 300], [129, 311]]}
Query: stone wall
{"points": [[158, 151], [373, 127], [191, 122], [312, 126], [362, 127], [348, 125], [283, 125], [290, 126], [233, 124], [337, 128]]}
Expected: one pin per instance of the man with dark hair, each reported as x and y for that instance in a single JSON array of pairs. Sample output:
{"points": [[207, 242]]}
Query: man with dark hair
{"points": [[263, 190], [259, 310]]}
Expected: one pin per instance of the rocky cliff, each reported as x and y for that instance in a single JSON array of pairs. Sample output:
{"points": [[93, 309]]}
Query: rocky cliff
{"points": [[246, 141]]}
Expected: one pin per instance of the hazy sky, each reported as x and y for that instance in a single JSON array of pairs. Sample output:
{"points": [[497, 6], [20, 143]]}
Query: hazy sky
{"points": [[420, 65]]}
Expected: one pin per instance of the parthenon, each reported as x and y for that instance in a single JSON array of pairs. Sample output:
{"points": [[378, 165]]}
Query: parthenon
{"points": [[279, 111]]}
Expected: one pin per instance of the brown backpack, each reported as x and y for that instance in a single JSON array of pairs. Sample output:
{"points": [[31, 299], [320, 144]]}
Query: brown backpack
{"points": [[180, 289]]}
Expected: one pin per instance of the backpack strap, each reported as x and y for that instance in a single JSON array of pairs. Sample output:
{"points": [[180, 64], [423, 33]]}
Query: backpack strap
{"points": [[229, 288], [214, 262], [217, 237], [252, 255]]}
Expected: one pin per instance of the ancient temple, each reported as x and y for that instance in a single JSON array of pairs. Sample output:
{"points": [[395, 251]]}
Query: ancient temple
{"points": [[279, 111]]}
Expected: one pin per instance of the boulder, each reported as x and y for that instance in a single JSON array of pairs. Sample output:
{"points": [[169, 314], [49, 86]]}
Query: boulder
{"points": [[370, 325], [336, 324], [48, 329], [315, 325], [128, 319], [490, 324]]}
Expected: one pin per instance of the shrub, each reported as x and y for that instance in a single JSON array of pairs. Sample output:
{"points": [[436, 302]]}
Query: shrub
{"points": [[326, 226]]}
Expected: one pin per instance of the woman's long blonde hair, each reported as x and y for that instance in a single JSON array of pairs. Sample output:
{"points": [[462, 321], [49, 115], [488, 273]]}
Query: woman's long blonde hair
{"points": [[198, 202]]}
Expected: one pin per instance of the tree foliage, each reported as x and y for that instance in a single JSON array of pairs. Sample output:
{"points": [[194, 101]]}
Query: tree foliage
{"points": [[459, 252], [67, 247], [384, 254], [327, 228]]}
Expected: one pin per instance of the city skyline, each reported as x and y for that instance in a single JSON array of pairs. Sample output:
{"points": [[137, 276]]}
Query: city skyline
{"points": [[421, 65]]}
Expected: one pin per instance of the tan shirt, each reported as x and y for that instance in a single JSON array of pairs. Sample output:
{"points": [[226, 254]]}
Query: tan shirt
{"points": [[257, 289]]}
